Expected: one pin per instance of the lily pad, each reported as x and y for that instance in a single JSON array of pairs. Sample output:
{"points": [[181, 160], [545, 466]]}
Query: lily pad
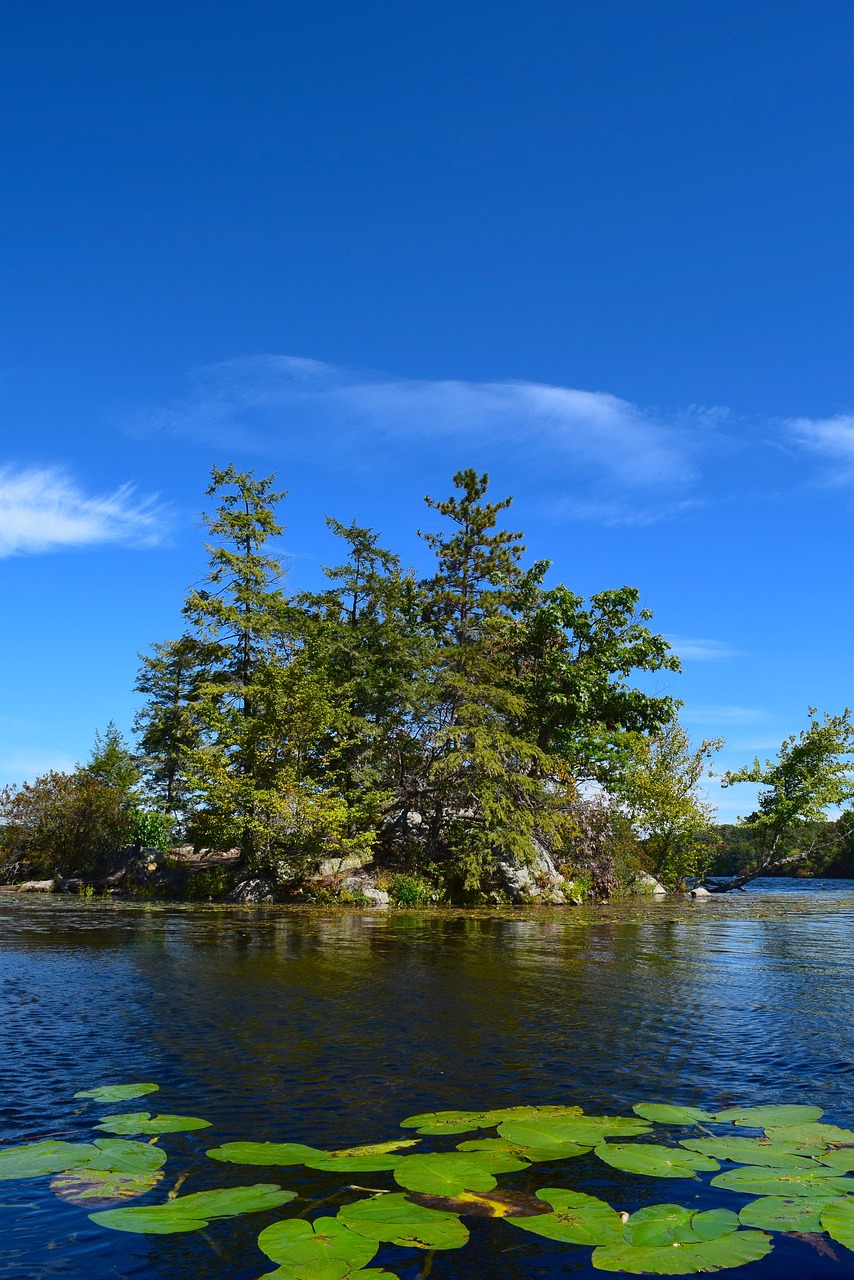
{"points": [[811, 1133], [784, 1182], [142, 1122], [576, 1218], [325, 1249], [838, 1221], [117, 1092], [269, 1153], [762, 1117], [189, 1213], [582, 1130], [93, 1188], [664, 1113], [121, 1155], [494, 1204], [842, 1160], [395, 1220], [367, 1159], [40, 1158], [655, 1161], [450, 1122], [785, 1213], [560, 1151], [449, 1173], [734, 1249], [663, 1224], [754, 1151]]}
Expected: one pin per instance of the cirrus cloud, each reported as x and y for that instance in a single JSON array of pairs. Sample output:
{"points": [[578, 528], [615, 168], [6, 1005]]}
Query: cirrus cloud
{"points": [[43, 509]]}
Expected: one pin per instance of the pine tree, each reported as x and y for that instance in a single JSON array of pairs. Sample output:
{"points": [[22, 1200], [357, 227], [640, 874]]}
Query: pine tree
{"points": [[481, 783], [167, 725]]}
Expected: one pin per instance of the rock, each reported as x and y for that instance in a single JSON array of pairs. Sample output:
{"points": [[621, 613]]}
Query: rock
{"points": [[344, 862], [700, 892], [538, 881], [647, 884], [35, 886], [364, 887], [252, 891]]}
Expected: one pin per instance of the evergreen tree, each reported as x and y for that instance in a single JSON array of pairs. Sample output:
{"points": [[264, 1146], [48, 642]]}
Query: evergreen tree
{"points": [[481, 781], [167, 724]]}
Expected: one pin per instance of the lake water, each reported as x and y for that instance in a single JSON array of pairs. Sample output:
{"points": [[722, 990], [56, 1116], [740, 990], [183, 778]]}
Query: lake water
{"points": [[329, 1028]]}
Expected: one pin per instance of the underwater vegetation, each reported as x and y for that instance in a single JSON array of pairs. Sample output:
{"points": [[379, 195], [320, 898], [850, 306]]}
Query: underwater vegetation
{"points": [[792, 1169]]}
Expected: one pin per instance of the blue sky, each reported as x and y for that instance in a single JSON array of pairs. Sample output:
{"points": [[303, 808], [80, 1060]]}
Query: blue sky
{"points": [[603, 251]]}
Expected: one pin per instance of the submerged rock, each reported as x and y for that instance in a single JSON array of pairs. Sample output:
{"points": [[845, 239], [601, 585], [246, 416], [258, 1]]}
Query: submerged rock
{"points": [[700, 892]]}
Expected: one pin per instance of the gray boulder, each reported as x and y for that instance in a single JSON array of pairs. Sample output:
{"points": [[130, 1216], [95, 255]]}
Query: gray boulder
{"points": [[537, 881], [364, 886], [700, 892], [648, 885], [252, 891]]}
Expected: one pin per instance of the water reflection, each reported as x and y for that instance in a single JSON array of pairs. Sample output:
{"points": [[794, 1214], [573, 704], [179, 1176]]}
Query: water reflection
{"points": [[329, 1028]]}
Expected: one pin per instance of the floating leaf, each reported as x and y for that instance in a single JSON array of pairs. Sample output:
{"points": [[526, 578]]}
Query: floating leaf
{"points": [[664, 1113], [395, 1220], [450, 1122], [842, 1160], [188, 1213], [653, 1160], [120, 1155], [448, 1173], [576, 1218], [325, 1249], [496, 1204], [732, 1250], [784, 1182], [838, 1221], [662, 1224], [582, 1130], [94, 1187], [117, 1092], [270, 1153], [762, 1117], [142, 1122], [560, 1151], [40, 1158], [368, 1159], [785, 1213], [811, 1133], [754, 1151]]}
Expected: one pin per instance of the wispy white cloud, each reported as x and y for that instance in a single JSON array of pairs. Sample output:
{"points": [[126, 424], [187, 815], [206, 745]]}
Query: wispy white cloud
{"points": [[580, 439], [831, 438], [45, 510], [701, 650]]}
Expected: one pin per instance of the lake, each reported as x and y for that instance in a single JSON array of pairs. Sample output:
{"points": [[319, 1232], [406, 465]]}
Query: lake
{"points": [[329, 1028]]}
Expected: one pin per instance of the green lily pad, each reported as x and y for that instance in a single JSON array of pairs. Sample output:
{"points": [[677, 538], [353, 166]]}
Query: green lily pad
{"points": [[754, 1151], [664, 1113], [321, 1250], [663, 1224], [837, 1219], [762, 1117], [450, 1122], [577, 1218], [582, 1130], [40, 1158], [811, 1133], [189, 1213], [784, 1182], [269, 1153], [734, 1249], [560, 1151], [117, 1092], [93, 1188], [653, 1160], [121, 1155], [786, 1213], [448, 1173], [841, 1160], [395, 1220], [368, 1159], [142, 1122]]}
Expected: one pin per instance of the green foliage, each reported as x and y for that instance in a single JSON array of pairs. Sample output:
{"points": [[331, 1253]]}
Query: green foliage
{"points": [[64, 823], [409, 891], [190, 1213], [660, 788]]}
